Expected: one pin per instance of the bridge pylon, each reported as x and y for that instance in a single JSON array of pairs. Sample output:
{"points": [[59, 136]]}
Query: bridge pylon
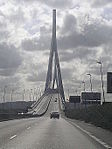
{"points": [[54, 78]]}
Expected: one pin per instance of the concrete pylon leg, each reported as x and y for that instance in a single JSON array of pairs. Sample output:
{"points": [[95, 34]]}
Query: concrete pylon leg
{"points": [[51, 80]]}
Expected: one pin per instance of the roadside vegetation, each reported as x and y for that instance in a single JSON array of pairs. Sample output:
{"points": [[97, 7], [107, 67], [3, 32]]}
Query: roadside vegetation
{"points": [[99, 115]]}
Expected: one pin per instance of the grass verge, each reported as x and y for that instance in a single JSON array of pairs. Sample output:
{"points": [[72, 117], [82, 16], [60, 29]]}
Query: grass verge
{"points": [[99, 115]]}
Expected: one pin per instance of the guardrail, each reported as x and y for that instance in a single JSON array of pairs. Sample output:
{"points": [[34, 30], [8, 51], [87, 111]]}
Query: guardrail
{"points": [[6, 116], [33, 106], [47, 106]]}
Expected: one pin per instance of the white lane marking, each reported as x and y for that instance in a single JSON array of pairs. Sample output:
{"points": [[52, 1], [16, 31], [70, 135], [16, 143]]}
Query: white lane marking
{"points": [[92, 136], [13, 137], [28, 127]]}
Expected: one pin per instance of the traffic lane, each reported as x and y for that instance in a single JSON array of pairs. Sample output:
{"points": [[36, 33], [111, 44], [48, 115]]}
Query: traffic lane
{"points": [[29, 137], [62, 135], [52, 134], [54, 106], [13, 127]]}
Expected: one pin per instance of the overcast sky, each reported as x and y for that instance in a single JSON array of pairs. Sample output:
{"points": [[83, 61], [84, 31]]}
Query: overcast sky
{"points": [[84, 35]]}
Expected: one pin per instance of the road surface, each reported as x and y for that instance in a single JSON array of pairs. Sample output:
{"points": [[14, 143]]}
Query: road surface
{"points": [[44, 133]]}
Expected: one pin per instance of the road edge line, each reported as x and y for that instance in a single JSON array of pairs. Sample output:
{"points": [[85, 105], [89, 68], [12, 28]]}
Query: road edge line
{"points": [[90, 135], [13, 137]]}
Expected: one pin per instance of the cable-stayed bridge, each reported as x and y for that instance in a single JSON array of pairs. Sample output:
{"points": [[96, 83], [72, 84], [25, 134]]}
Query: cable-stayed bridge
{"points": [[41, 132], [53, 84]]}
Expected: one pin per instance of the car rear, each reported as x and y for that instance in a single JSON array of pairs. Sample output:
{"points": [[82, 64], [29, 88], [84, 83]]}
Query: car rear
{"points": [[54, 115]]}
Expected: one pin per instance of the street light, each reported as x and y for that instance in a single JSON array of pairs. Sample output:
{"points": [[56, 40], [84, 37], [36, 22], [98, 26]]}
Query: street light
{"points": [[84, 85], [4, 93], [11, 96], [24, 94], [102, 83], [90, 81], [31, 94], [76, 92], [68, 93]]}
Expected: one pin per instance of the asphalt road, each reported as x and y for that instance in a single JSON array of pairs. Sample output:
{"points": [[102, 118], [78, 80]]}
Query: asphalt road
{"points": [[44, 133]]}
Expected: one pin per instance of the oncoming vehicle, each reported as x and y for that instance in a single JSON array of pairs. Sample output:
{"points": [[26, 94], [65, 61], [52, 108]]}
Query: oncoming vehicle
{"points": [[54, 114]]}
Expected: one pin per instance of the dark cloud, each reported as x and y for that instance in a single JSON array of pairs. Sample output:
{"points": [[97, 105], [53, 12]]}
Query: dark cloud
{"points": [[68, 24], [79, 39], [41, 76], [52, 3], [100, 3], [84, 53], [7, 72], [77, 53], [93, 35], [30, 45], [66, 56], [10, 59], [58, 3], [36, 45], [32, 77], [66, 73], [42, 43]]}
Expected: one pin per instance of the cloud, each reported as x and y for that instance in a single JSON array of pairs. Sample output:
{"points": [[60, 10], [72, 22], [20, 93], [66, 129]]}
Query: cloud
{"points": [[66, 73], [93, 35], [7, 72], [78, 53], [69, 24], [66, 56], [58, 3], [38, 43], [53, 3], [41, 76], [84, 34], [4, 35], [10, 82], [10, 59], [29, 45], [17, 16], [100, 3]]}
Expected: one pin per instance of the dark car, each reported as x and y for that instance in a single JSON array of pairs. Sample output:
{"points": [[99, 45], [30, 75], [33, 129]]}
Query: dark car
{"points": [[54, 115], [55, 100]]}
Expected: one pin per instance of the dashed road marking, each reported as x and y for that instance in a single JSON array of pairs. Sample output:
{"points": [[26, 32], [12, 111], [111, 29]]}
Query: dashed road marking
{"points": [[13, 137], [28, 127], [92, 136]]}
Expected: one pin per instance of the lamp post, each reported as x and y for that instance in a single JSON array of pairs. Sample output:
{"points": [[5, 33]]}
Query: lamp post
{"points": [[4, 93], [36, 93], [40, 92], [90, 81], [11, 96], [31, 94], [84, 85], [68, 93], [76, 91], [23, 94], [102, 83]]}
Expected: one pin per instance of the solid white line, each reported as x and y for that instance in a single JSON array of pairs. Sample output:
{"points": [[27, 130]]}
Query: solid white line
{"points": [[92, 136], [28, 127], [13, 137]]}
